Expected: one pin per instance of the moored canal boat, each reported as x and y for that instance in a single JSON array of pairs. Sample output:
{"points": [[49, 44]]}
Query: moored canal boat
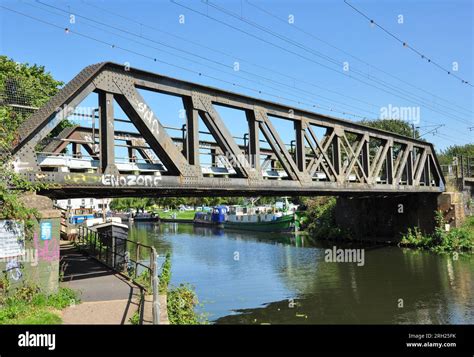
{"points": [[216, 217], [145, 217], [251, 219]]}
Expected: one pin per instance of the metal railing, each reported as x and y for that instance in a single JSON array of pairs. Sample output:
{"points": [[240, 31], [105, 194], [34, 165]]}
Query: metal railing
{"points": [[116, 253], [461, 167]]}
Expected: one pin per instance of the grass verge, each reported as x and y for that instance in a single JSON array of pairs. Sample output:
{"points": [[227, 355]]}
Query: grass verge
{"points": [[179, 214], [28, 305]]}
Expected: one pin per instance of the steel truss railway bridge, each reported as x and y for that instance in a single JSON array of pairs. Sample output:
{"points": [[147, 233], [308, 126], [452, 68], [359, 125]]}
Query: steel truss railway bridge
{"points": [[328, 156]]}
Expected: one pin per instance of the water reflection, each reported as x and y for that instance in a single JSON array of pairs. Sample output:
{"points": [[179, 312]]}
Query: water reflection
{"points": [[247, 277]]}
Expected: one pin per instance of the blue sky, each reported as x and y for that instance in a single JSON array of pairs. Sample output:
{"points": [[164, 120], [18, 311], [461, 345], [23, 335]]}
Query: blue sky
{"points": [[327, 32]]}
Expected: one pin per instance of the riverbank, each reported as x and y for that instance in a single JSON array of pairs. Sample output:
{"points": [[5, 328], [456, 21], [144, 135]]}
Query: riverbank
{"points": [[176, 220], [321, 224], [457, 239], [181, 300]]}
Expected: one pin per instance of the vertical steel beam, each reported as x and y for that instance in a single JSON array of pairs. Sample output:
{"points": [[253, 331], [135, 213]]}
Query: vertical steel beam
{"points": [[213, 157], [76, 149], [426, 172], [336, 155], [409, 168], [300, 129], [389, 164], [107, 138], [191, 146], [130, 150], [366, 159], [254, 142]]}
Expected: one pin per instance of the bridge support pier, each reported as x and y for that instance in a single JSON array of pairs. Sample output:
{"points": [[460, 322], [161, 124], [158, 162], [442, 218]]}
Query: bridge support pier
{"points": [[388, 218]]}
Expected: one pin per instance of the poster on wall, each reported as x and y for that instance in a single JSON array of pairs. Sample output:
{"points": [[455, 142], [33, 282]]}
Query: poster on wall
{"points": [[46, 229], [12, 239]]}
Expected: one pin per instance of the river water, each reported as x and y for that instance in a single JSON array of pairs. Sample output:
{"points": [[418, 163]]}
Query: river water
{"points": [[255, 278]]}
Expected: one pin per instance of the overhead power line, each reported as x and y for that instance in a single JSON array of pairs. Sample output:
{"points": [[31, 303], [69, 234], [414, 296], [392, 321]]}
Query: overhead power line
{"points": [[431, 131], [226, 54], [402, 94], [154, 59], [297, 28], [410, 47], [232, 73], [114, 46], [232, 56]]}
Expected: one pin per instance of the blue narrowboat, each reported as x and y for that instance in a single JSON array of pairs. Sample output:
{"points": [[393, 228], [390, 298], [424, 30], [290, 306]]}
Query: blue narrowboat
{"points": [[215, 217]]}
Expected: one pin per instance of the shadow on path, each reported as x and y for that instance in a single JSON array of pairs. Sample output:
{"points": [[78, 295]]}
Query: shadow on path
{"points": [[110, 292]]}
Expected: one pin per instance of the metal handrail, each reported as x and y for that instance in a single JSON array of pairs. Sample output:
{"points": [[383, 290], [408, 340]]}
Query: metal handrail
{"points": [[95, 248]]}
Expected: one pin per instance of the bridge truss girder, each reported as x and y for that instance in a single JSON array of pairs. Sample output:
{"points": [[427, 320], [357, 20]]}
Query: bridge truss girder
{"points": [[348, 159]]}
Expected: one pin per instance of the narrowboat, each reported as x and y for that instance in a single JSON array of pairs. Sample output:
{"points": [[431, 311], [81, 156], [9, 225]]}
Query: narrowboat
{"points": [[145, 217], [215, 217], [261, 219], [79, 215], [280, 217]]}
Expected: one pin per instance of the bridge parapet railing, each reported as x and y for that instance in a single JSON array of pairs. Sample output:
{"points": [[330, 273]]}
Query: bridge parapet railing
{"points": [[134, 260], [461, 167]]}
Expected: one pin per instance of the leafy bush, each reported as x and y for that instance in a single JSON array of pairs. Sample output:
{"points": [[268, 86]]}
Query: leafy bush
{"points": [[457, 239], [321, 219], [181, 303], [144, 279], [135, 319], [165, 276]]}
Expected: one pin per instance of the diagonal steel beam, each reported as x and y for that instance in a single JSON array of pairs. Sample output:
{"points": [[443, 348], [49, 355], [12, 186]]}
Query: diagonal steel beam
{"points": [[152, 131], [216, 126], [279, 148], [385, 156], [419, 167], [402, 164], [322, 150], [325, 143], [314, 149], [355, 157], [435, 166]]}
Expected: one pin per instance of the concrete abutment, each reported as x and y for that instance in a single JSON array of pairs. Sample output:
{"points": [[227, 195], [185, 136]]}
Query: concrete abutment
{"points": [[388, 218]]}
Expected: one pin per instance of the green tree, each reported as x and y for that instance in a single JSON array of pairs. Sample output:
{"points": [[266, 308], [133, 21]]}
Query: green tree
{"points": [[446, 156], [23, 87], [396, 126]]}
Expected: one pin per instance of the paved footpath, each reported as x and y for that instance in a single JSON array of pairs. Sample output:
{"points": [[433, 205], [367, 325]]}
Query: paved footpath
{"points": [[106, 297]]}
